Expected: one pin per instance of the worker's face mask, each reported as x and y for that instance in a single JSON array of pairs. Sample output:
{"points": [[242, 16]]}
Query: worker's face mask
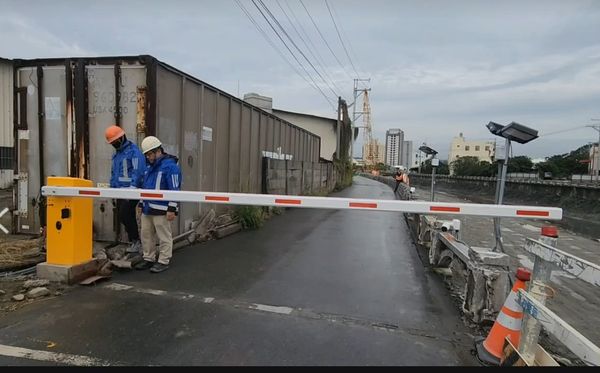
{"points": [[117, 143], [151, 156]]}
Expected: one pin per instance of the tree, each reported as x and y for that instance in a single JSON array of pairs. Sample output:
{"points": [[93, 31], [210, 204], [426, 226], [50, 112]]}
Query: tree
{"points": [[565, 165], [471, 166], [520, 163], [442, 169]]}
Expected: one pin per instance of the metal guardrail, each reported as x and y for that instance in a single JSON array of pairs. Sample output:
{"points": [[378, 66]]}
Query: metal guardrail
{"points": [[571, 338], [580, 268], [538, 315]]}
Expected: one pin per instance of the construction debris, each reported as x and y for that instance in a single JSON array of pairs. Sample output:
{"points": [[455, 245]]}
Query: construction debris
{"points": [[38, 293], [35, 283]]}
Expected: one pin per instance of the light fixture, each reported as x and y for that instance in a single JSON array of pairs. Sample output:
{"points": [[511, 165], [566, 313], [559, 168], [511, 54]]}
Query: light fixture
{"points": [[518, 133]]}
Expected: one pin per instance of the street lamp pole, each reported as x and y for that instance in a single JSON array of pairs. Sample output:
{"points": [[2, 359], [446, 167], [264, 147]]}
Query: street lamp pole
{"points": [[500, 181], [434, 164], [515, 132], [504, 171]]}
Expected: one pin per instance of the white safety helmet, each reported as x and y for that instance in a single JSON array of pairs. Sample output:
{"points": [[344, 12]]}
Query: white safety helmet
{"points": [[150, 143]]}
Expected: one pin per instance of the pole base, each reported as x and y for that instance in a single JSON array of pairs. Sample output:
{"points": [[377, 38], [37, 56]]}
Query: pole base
{"points": [[66, 273], [483, 356]]}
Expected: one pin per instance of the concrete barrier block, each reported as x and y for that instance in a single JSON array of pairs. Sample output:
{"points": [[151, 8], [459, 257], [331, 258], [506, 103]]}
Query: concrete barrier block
{"points": [[485, 256]]}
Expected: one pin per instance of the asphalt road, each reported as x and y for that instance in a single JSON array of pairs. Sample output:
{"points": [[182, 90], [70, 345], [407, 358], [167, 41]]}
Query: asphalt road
{"points": [[312, 287]]}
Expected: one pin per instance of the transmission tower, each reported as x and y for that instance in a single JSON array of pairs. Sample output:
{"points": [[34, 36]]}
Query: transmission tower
{"points": [[370, 148]]}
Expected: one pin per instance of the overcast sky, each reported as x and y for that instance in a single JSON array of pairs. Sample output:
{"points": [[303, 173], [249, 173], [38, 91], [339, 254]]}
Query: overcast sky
{"points": [[437, 68]]}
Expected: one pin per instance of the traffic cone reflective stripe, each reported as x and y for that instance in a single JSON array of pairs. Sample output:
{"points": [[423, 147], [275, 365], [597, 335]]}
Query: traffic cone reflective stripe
{"points": [[508, 323]]}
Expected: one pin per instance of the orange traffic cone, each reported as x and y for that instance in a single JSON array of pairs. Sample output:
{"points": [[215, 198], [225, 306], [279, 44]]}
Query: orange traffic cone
{"points": [[508, 323]]}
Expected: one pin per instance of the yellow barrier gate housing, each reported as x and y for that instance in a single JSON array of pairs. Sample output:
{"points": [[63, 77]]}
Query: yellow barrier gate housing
{"points": [[69, 225]]}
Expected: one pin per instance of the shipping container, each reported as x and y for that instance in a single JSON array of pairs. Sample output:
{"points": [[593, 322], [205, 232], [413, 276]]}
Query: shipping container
{"points": [[64, 106], [6, 124]]}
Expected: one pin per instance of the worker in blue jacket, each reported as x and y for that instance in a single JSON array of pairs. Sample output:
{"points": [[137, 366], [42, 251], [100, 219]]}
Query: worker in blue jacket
{"points": [[162, 173], [128, 166]]}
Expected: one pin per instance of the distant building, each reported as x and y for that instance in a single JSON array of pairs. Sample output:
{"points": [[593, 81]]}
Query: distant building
{"points": [[394, 143], [263, 102], [484, 150], [325, 128], [374, 150]]}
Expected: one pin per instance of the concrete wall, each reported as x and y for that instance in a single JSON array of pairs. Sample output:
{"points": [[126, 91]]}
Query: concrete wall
{"points": [[298, 178], [6, 122], [580, 203], [322, 127]]}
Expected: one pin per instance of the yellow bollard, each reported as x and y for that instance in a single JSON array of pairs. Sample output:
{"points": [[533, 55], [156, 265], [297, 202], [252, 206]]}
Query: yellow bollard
{"points": [[69, 225]]}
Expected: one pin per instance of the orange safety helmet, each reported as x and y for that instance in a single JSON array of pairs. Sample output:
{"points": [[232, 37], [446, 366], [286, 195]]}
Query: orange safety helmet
{"points": [[113, 133]]}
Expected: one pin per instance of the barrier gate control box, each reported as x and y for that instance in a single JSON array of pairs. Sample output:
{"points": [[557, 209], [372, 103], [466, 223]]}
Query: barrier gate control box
{"points": [[69, 224]]}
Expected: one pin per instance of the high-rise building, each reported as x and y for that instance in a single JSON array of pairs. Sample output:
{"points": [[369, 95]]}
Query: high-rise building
{"points": [[394, 144], [373, 153]]}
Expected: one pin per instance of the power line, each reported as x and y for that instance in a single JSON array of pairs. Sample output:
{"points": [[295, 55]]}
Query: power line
{"points": [[325, 40], [562, 131], [319, 57], [342, 41], [318, 62], [296, 46], [352, 52], [292, 53], [266, 37]]}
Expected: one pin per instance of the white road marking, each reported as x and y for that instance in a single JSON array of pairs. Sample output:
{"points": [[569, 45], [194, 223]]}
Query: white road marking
{"points": [[576, 248], [208, 300], [274, 309], [118, 287], [55, 357], [531, 228], [150, 291], [504, 229], [525, 261]]}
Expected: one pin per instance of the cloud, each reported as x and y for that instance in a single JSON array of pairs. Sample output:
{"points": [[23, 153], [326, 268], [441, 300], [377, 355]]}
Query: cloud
{"points": [[436, 68], [22, 38]]}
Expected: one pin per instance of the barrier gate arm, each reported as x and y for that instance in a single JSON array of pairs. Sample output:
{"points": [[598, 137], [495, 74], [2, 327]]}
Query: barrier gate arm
{"points": [[418, 207]]}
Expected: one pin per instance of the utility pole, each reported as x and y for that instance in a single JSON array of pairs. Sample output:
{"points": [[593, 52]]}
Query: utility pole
{"points": [[596, 152], [356, 114]]}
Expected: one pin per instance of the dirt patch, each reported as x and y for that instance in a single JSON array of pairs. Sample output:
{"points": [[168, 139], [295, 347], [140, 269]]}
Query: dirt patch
{"points": [[15, 286], [17, 252]]}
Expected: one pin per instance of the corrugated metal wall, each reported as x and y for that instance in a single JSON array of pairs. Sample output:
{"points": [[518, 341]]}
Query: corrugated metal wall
{"points": [[220, 139], [6, 123]]}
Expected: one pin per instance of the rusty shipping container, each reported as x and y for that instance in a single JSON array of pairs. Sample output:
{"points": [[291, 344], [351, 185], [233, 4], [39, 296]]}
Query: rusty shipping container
{"points": [[63, 106]]}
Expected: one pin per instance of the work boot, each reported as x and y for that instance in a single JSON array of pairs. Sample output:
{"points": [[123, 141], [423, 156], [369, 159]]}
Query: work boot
{"points": [[135, 247], [159, 267], [144, 264]]}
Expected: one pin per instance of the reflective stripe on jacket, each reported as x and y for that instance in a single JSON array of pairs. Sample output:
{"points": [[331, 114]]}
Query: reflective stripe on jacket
{"points": [[163, 174]]}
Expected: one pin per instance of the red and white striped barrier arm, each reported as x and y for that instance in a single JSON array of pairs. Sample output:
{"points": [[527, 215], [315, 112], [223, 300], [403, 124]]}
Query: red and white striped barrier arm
{"points": [[418, 207]]}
